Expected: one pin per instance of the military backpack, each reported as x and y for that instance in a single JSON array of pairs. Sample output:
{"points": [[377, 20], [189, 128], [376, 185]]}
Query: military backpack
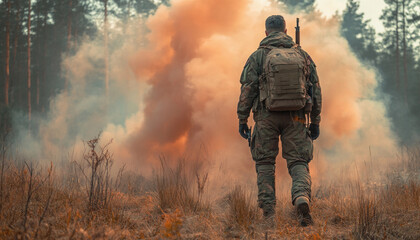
{"points": [[283, 84]]}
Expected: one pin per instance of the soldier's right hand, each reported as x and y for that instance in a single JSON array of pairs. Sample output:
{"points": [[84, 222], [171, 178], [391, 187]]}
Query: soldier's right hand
{"points": [[243, 130]]}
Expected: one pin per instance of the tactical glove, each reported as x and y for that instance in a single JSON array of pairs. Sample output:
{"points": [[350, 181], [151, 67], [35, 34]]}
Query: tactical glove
{"points": [[314, 129], [243, 130]]}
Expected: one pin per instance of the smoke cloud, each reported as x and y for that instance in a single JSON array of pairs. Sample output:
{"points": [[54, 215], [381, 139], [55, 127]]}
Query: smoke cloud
{"points": [[174, 91]]}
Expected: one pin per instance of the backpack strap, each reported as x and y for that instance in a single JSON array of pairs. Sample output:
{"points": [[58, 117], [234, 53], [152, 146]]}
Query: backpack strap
{"points": [[308, 61], [263, 74], [307, 58], [266, 47]]}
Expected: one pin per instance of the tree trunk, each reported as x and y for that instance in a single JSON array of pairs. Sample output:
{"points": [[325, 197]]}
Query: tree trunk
{"points": [[6, 86], [29, 62], [19, 95], [69, 19], [129, 9], [38, 68], [106, 48], [397, 47], [37, 91], [75, 38], [44, 57], [404, 52], [69, 25]]}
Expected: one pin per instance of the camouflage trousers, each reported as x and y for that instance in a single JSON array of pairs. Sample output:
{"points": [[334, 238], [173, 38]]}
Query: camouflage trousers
{"points": [[296, 149]]}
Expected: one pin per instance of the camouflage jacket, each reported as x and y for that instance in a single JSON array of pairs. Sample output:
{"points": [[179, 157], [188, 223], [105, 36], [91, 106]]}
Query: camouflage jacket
{"points": [[249, 97]]}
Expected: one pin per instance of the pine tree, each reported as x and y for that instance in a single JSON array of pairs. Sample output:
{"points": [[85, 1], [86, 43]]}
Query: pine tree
{"points": [[298, 5], [7, 47], [145, 7], [360, 36], [398, 44], [106, 48], [127, 7], [17, 93], [29, 59], [40, 41], [393, 57], [11, 49]]}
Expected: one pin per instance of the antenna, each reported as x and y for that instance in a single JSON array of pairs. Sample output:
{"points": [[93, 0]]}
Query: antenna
{"points": [[297, 32]]}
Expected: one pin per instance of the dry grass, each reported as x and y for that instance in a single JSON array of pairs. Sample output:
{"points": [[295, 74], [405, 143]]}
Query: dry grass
{"points": [[175, 187], [367, 223], [242, 211], [44, 202]]}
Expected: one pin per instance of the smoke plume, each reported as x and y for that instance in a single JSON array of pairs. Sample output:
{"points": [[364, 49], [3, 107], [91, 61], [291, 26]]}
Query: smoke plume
{"points": [[174, 91]]}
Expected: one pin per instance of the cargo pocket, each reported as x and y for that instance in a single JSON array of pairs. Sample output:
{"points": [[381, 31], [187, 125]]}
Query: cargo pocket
{"points": [[308, 146], [308, 134], [253, 138], [255, 105], [303, 142]]}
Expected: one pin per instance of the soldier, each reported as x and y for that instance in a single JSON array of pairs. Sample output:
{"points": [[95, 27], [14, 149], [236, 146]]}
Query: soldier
{"points": [[280, 84]]}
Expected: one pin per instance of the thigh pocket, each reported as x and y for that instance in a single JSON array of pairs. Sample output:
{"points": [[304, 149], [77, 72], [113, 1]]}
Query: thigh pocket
{"points": [[303, 142], [253, 141], [307, 146], [264, 144], [253, 136]]}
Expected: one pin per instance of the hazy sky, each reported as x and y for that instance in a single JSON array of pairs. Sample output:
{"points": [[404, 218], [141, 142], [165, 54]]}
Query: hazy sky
{"points": [[371, 8]]}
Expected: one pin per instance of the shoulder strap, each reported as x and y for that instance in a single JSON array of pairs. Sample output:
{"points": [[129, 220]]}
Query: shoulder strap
{"points": [[270, 47], [266, 47], [307, 58]]}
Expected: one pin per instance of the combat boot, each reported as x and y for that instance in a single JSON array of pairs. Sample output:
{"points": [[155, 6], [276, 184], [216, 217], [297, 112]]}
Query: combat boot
{"points": [[269, 214], [302, 207]]}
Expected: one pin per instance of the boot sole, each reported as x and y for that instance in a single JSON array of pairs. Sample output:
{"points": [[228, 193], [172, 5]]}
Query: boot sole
{"points": [[303, 211]]}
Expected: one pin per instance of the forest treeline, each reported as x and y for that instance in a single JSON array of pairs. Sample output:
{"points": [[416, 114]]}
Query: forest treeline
{"points": [[35, 35], [395, 55]]}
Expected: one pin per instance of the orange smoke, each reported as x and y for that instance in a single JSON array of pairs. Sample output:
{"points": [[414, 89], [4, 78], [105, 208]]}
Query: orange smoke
{"points": [[193, 61], [177, 33], [183, 99]]}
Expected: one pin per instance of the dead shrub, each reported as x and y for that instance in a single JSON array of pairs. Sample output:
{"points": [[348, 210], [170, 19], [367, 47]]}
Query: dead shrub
{"points": [[96, 168]]}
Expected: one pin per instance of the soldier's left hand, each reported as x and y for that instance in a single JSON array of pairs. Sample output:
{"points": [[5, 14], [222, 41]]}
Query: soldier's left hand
{"points": [[314, 129]]}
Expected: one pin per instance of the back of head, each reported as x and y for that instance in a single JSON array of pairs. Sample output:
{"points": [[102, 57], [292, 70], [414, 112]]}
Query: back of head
{"points": [[275, 23]]}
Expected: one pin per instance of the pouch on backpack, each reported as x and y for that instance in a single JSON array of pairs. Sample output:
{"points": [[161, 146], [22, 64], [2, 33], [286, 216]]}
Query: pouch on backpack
{"points": [[283, 85]]}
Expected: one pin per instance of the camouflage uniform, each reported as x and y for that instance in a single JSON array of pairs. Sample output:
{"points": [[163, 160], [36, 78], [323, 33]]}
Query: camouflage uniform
{"points": [[289, 125]]}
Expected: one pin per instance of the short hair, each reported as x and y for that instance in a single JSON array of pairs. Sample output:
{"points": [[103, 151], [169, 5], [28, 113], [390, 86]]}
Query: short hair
{"points": [[275, 23]]}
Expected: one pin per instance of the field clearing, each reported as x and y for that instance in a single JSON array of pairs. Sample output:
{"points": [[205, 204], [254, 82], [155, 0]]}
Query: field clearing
{"points": [[84, 199]]}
